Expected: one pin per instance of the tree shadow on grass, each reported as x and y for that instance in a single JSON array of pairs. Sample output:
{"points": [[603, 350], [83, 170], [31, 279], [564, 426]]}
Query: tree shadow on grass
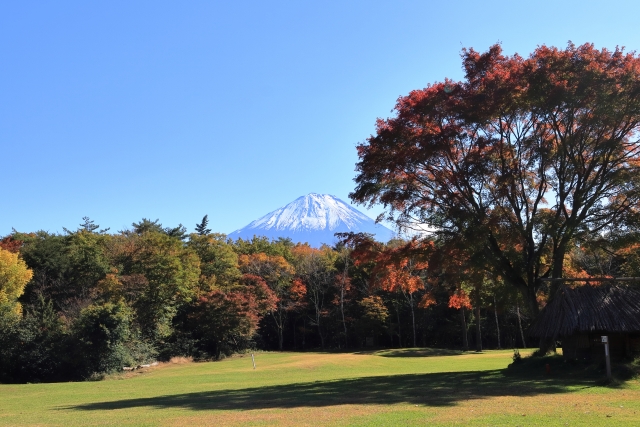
{"points": [[413, 352], [436, 389]]}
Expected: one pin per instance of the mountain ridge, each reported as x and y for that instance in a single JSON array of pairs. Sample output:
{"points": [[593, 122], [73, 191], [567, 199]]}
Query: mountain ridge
{"points": [[313, 218]]}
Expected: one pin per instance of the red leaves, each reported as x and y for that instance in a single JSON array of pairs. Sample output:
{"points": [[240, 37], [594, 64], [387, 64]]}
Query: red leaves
{"points": [[10, 244], [258, 294], [219, 314], [394, 268], [298, 289], [427, 300], [522, 153]]}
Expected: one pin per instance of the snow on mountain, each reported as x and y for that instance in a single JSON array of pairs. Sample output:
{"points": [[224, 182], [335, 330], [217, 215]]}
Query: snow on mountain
{"points": [[313, 218]]}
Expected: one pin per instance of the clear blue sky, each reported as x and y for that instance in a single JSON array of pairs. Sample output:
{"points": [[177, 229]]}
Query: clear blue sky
{"points": [[121, 110]]}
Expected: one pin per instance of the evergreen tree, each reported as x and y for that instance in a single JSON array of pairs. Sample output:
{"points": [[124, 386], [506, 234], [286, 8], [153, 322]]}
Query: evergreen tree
{"points": [[179, 232], [147, 225], [201, 228], [88, 224]]}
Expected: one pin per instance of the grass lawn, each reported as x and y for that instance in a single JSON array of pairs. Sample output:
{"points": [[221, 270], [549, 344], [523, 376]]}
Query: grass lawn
{"points": [[393, 387]]}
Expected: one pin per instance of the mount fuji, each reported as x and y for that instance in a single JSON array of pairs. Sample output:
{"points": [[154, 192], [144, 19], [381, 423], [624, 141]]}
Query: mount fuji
{"points": [[314, 219]]}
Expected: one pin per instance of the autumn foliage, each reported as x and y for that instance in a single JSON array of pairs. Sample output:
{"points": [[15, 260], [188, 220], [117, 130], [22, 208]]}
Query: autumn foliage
{"points": [[525, 156], [14, 275]]}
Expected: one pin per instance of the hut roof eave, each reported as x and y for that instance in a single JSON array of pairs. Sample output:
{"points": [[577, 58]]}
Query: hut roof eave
{"points": [[606, 308]]}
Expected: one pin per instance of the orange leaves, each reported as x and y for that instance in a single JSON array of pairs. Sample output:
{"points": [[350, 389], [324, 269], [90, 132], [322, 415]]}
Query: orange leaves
{"points": [[395, 268], [398, 278], [342, 281], [263, 261], [459, 299], [298, 289], [427, 300], [272, 268]]}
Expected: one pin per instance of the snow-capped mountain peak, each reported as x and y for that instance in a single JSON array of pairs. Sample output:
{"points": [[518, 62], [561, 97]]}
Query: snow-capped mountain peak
{"points": [[313, 218]]}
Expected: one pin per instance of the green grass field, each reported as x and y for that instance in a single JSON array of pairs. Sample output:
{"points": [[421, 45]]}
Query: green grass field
{"points": [[393, 387]]}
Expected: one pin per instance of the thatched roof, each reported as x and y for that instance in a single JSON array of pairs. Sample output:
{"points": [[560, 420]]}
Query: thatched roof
{"points": [[605, 308]]}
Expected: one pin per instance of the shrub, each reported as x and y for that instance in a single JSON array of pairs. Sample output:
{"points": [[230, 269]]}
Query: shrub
{"points": [[101, 334]]}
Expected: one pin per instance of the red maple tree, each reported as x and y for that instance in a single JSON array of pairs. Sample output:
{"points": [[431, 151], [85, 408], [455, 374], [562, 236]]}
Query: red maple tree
{"points": [[527, 155]]}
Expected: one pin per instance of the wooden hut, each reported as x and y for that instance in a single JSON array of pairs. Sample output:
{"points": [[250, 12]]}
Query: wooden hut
{"points": [[579, 317]]}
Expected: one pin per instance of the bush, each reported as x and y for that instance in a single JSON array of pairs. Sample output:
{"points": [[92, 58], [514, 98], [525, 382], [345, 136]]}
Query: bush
{"points": [[101, 334]]}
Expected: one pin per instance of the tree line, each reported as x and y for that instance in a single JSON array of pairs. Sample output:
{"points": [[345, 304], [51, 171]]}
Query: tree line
{"points": [[86, 302]]}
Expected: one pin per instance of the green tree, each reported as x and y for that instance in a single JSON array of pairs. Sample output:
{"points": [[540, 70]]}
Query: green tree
{"points": [[218, 260], [66, 268], [101, 333], [161, 273], [146, 225], [260, 244], [201, 228]]}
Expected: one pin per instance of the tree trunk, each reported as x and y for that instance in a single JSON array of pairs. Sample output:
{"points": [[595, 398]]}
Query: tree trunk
{"points": [[279, 321], [319, 330], [304, 331], [548, 344], [294, 333], [495, 311], [524, 343], [478, 330], [399, 334], [465, 341], [344, 323], [413, 320], [281, 333]]}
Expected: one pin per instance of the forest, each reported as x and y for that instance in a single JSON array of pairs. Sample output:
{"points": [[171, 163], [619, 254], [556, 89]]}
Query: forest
{"points": [[524, 173], [87, 302]]}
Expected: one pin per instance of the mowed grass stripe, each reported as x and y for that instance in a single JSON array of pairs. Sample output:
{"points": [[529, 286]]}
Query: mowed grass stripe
{"points": [[392, 387]]}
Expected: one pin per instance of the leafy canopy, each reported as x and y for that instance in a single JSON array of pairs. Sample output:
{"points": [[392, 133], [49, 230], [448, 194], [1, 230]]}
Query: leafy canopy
{"points": [[14, 276], [525, 156]]}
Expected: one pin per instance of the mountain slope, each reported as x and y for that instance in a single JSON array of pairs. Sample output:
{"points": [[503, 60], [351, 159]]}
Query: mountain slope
{"points": [[313, 218]]}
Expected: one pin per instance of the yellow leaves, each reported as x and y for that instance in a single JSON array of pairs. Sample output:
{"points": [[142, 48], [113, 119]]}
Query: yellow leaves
{"points": [[111, 288], [374, 308], [14, 276]]}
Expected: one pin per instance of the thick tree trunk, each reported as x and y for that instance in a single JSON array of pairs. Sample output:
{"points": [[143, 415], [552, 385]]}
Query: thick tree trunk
{"points": [[548, 344], [465, 341], [495, 312]]}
